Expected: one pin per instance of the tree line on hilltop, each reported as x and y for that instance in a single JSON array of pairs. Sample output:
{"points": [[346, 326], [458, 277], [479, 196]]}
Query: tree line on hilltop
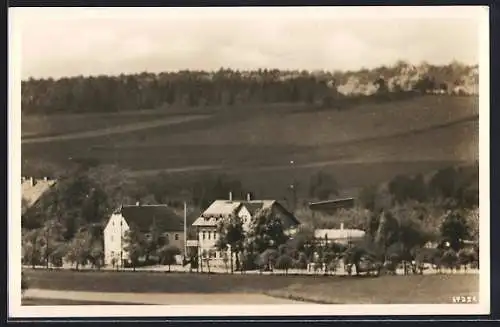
{"points": [[227, 87], [398, 216]]}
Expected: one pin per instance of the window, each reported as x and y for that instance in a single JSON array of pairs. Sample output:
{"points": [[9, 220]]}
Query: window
{"points": [[176, 237], [204, 235], [215, 235], [208, 234]]}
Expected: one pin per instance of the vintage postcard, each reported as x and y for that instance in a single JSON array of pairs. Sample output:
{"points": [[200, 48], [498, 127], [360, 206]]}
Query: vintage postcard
{"points": [[248, 161]]}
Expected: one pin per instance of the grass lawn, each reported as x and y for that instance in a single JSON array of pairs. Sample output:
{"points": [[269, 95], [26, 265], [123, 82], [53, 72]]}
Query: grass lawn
{"points": [[322, 289]]}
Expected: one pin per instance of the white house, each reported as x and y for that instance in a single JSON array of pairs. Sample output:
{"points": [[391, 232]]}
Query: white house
{"points": [[341, 235], [206, 224], [142, 217]]}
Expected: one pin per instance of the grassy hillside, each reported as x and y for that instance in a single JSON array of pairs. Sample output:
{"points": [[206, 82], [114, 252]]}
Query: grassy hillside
{"points": [[365, 144]]}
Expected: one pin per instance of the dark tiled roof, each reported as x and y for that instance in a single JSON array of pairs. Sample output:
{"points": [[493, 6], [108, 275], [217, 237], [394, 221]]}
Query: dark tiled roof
{"points": [[144, 216]]}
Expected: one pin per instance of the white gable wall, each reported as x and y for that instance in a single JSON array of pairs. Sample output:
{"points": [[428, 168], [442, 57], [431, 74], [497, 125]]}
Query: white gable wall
{"points": [[245, 217], [114, 234]]}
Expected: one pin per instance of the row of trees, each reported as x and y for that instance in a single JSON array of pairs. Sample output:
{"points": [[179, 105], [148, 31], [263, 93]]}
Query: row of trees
{"points": [[396, 236], [227, 87], [46, 246]]}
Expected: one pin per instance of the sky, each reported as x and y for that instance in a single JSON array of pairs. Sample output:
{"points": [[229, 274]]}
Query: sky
{"points": [[57, 42]]}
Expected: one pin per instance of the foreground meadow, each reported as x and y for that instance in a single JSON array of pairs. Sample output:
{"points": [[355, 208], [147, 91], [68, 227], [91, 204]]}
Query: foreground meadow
{"points": [[318, 289]]}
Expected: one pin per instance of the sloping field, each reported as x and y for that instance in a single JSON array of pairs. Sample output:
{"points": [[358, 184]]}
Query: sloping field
{"points": [[361, 145]]}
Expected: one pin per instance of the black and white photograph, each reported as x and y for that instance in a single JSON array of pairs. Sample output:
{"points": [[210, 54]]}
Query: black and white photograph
{"points": [[248, 161]]}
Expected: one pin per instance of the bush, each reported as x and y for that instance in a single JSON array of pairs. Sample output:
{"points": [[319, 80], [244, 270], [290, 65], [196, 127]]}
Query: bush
{"points": [[449, 259], [301, 262]]}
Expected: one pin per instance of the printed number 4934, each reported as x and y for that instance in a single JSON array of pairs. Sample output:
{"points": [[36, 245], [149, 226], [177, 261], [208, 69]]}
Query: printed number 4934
{"points": [[464, 299]]}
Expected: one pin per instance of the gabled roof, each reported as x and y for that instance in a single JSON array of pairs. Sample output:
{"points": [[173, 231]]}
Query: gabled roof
{"points": [[145, 216], [220, 209]]}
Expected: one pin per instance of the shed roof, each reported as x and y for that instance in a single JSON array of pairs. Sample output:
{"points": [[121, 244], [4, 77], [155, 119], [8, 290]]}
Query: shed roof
{"points": [[332, 204]]}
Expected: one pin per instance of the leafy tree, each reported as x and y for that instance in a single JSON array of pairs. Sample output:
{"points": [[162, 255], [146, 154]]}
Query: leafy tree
{"points": [[450, 258], [302, 240], [135, 245], [79, 248], [58, 254], [466, 257], [454, 229], [284, 262], [231, 235], [96, 254], [265, 231], [225, 259], [322, 186], [52, 237], [302, 261], [167, 254], [267, 259], [31, 247], [472, 217]]}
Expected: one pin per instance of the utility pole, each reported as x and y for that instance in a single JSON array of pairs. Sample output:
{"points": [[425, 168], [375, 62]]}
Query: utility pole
{"points": [[294, 197], [121, 243], [185, 229]]}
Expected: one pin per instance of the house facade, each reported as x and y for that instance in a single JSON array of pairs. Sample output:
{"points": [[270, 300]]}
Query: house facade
{"points": [[206, 225], [342, 235], [143, 217]]}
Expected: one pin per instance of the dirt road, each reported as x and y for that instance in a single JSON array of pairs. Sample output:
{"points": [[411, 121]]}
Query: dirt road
{"points": [[161, 298]]}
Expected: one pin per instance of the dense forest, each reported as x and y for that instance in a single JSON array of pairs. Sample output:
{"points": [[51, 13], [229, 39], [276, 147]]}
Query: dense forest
{"points": [[227, 87]]}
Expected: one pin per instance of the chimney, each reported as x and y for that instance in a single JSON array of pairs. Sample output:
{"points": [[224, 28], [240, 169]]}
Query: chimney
{"points": [[341, 226], [230, 196], [249, 197], [32, 181]]}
